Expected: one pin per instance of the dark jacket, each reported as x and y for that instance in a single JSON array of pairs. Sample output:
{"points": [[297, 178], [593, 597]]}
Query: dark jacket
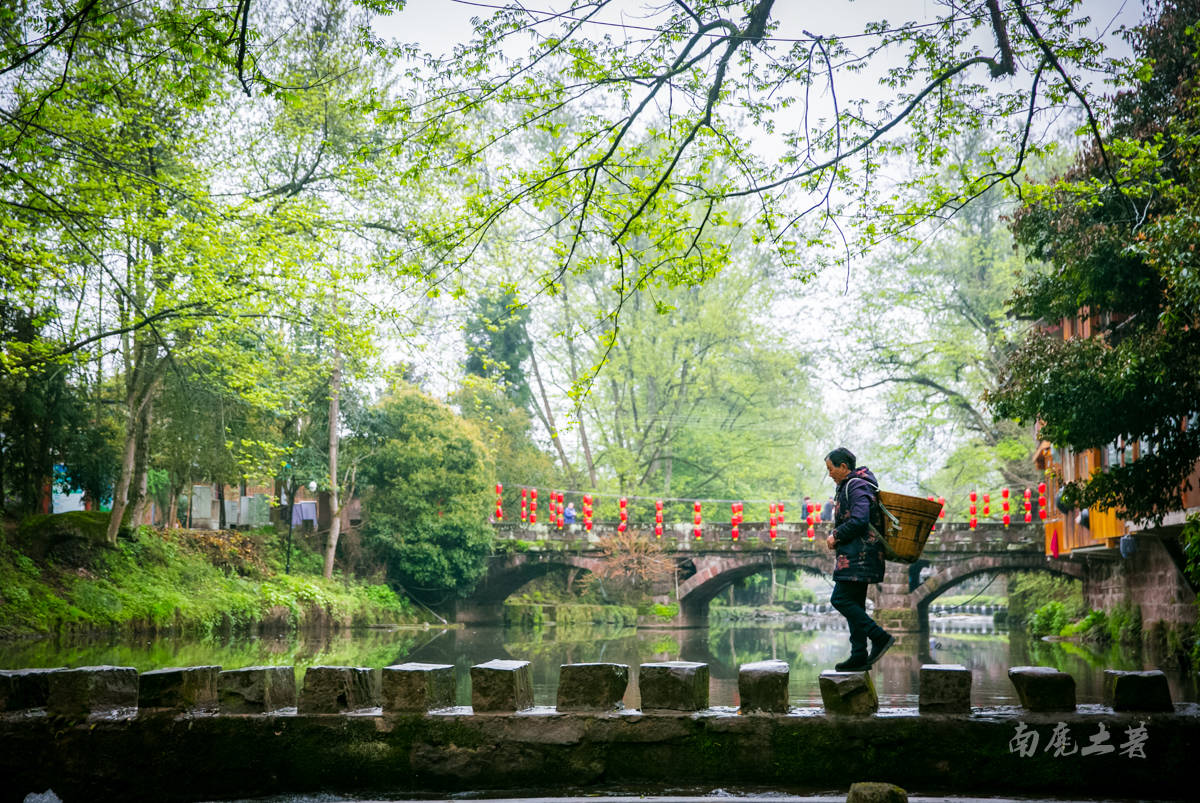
{"points": [[859, 552]]}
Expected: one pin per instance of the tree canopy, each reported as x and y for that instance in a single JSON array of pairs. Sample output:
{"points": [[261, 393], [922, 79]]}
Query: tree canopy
{"points": [[1118, 231]]}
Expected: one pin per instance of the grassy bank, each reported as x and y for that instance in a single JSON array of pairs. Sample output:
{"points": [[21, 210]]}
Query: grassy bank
{"points": [[58, 575]]}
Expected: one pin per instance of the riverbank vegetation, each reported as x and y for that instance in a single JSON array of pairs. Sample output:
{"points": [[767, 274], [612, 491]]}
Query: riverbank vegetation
{"points": [[58, 575]]}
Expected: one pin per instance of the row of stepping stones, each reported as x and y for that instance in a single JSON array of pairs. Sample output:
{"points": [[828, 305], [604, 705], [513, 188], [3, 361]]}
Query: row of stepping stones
{"points": [[506, 687]]}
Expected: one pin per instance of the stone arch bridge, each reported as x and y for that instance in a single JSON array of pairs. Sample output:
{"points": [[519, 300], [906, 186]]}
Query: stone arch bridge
{"points": [[707, 566]]}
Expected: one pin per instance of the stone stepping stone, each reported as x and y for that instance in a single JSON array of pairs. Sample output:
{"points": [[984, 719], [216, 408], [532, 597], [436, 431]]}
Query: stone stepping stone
{"points": [[763, 686], [416, 688], [592, 687], [848, 693], [1043, 688], [501, 686], [673, 686]]}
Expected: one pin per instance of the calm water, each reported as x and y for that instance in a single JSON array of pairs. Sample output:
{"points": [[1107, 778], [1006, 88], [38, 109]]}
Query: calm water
{"points": [[806, 646]]}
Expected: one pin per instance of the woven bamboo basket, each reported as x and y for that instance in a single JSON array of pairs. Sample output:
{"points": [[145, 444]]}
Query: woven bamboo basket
{"points": [[916, 518]]}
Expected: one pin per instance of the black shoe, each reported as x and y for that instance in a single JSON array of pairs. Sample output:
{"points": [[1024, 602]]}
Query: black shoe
{"points": [[855, 663], [879, 646]]}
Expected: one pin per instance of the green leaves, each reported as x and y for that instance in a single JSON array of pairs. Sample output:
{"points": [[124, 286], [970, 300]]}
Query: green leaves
{"points": [[1120, 362]]}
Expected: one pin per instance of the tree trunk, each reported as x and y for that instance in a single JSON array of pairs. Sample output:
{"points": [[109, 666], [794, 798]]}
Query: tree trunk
{"points": [[547, 417], [122, 489], [221, 519], [172, 512], [141, 466], [142, 384], [583, 440], [335, 511]]}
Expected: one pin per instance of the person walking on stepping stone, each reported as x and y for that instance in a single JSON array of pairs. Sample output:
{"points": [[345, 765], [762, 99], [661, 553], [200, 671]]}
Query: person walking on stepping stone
{"points": [[855, 540]]}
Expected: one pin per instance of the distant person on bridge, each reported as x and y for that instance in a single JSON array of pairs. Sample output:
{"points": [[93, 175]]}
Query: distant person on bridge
{"points": [[569, 514], [859, 557], [827, 510]]}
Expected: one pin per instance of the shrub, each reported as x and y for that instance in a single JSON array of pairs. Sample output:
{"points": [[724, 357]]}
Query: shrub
{"points": [[1048, 620]]}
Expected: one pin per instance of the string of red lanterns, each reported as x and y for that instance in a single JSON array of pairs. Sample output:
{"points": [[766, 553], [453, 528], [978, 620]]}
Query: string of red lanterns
{"points": [[775, 511]]}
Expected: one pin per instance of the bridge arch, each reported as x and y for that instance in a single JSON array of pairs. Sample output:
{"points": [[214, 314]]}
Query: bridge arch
{"points": [[715, 573], [507, 573], [953, 574]]}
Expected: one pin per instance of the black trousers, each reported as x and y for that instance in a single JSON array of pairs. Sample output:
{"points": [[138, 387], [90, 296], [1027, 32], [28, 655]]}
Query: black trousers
{"points": [[850, 599]]}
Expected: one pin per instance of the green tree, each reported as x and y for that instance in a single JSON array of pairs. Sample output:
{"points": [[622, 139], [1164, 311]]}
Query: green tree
{"points": [[1119, 233], [506, 431], [427, 494], [930, 332], [702, 395], [498, 343], [664, 116]]}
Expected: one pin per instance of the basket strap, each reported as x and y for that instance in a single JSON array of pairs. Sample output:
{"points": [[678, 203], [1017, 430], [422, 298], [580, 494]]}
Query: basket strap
{"points": [[879, 501]]}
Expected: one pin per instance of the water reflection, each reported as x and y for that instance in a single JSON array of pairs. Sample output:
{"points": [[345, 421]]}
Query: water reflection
{"points": [[809, 647]]}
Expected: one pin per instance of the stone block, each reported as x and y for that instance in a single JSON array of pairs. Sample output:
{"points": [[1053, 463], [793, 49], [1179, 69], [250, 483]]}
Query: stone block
{"points": [[417, 688], [674, 686], [192, 688], [848, 693], [1137, 691], [945, 689], [763, 686], [592, 687], [501, 686], [256, 689], [1043, 688], [92, 689], [873, 792], [21, 689], [338, 689]]}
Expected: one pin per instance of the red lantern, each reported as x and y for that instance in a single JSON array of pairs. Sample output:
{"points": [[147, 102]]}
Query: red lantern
{"points": [[524, 503], [587, 512], [974, 521], [658, 529], [733, 531], [987, 502], [696, 519], [942, 502], [973, 496], [1004, 492], [623, 513], [1007, 519], [1028, 493], [658, 512], [1042, 514], [812, 532], [779, 514], [533, 506], [1041, 489], [1028, 517]]}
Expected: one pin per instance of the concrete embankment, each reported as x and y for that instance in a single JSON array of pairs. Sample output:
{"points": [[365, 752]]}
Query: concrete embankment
{"points": [[199, 733], [1000, 752]]}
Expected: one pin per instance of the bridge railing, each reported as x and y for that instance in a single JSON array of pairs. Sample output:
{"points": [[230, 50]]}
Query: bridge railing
{"points": [[757, 536]]}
